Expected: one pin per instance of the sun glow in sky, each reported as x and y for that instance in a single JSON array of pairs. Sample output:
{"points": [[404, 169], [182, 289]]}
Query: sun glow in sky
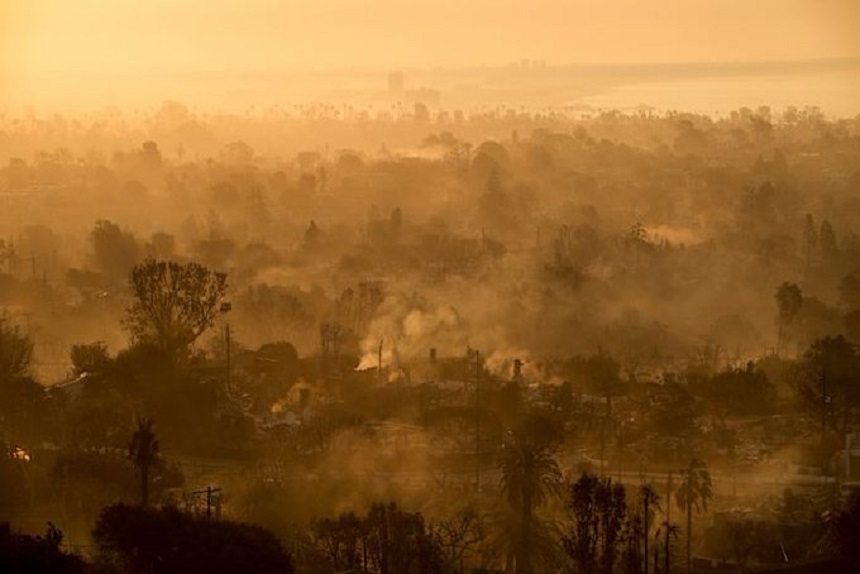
{"points": [[58, 44]]}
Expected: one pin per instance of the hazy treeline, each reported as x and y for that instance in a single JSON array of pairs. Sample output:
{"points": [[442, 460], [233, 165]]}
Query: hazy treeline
{"points": [[529, 302], [601, 224]]}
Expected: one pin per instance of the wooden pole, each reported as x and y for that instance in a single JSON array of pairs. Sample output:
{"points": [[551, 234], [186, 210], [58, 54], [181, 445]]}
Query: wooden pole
{"points": [[477, 420]]}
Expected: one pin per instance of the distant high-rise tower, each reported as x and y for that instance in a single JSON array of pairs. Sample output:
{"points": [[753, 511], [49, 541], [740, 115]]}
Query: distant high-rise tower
{"points": [[395, 82]]}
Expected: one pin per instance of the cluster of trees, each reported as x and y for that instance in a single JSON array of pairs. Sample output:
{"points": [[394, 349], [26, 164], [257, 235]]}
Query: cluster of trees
{"points": [[386, 540], [606, 528], [43, 553], [140, 539], [622, 208], [175, 303], [627, 263]]}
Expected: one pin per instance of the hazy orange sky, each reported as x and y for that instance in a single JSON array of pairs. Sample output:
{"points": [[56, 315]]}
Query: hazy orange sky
{"points": [[50, 35], [79, 40]]}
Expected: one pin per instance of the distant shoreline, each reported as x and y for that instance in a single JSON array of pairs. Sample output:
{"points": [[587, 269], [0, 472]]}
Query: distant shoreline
{"points": [[831, 84]]}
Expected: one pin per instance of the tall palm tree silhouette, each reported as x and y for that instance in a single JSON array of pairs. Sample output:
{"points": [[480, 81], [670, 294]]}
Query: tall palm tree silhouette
{"points": [[530, 476], [649, 498], [696, 489]]}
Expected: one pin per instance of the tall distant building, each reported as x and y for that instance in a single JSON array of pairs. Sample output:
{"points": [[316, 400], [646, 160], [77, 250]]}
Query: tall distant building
{"points": [[395, 82]]}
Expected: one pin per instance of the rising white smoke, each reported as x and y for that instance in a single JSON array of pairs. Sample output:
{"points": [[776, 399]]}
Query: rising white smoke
{"points": [[409, 329]]}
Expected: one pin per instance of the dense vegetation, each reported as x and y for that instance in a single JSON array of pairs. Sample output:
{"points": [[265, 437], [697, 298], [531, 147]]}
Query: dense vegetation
{"points": [[503, 342]]}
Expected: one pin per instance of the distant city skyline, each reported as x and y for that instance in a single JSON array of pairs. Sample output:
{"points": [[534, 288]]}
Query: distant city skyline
{"points": [[126, 53]]}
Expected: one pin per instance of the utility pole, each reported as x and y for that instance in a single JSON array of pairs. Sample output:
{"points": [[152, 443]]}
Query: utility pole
{"points": [[602, 443], [734, 454], [668, 518], [227, 337], [824, 401], [646, 502], [605, 422], [226, 307], [209, 492], [477, 420], [2, 369], [379, 362]]}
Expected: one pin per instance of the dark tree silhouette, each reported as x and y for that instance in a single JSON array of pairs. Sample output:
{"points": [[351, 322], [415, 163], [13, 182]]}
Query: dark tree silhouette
{"points": [[597, 509], [827, 243], [398, 542], [13, 483], [650, 499], [114, 251], [530, 477], [23, 405], [16, 350], [143, 452], [25, 553], [582, 542], [90, 358], [695, 490], [810, 239], [457, 534], [174, 304], [852, 325], [849, 290], [313, 234], [741, 391], [827, 384], [611, 498], [789, 300], [143, 540], [843, 531], [669, 531], [343, 539]]}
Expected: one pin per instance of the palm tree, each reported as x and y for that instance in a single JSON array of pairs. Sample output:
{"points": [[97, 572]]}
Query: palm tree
{"points": [[143, 452], [670, 530], [695, 490], [649, 498], [530, 476]]}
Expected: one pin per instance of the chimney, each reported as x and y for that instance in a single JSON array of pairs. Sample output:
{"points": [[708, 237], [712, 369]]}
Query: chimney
{"points": [[518, 371], [379, 363]]}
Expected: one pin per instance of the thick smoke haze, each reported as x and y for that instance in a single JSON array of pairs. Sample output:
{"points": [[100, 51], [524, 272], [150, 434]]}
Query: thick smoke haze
{"points": [[227, 55], [430, 287]]}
